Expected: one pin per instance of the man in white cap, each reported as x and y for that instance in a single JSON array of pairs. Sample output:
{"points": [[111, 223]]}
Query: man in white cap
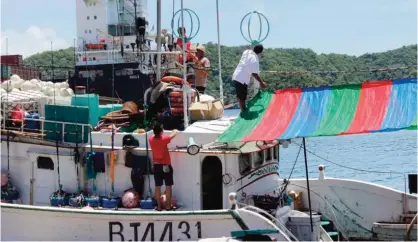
{"points": [[202, 67]]}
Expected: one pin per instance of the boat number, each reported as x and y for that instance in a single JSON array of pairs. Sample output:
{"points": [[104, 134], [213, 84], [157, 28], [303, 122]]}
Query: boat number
{"points": [[183, 229]]}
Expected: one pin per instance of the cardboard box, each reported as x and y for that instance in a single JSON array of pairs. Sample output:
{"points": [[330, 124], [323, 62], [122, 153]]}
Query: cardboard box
{"points": [[207, 110]]}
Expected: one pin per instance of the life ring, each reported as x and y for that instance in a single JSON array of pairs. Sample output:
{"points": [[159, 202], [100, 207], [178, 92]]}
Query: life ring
{"points": [[177, 94], [174, 79], [176, 100], [177, 110], [177, 105]]}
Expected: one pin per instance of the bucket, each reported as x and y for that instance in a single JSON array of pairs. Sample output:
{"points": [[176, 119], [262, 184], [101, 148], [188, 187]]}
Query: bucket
{"points": [[129, 107]]}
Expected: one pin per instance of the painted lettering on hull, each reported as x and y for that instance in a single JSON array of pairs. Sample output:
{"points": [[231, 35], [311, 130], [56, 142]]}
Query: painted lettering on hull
{"points": [[265, 170], [150, 231]]}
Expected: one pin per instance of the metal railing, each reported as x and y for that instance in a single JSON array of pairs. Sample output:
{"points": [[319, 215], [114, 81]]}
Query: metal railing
{"points": [[41, 131]]}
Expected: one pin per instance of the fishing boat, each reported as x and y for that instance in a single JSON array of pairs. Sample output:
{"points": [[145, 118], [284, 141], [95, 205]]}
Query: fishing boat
{"points": [[68, 163]]}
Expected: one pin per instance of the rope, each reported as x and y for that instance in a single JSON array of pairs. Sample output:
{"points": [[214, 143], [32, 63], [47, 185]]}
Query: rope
{"points": [[357, 169], [147, 151], [291, 172], [57, 150], [91, 153]]}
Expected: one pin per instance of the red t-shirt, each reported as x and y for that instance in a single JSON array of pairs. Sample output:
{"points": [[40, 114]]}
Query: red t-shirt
{"points": [[188, 46], [159, 149]]}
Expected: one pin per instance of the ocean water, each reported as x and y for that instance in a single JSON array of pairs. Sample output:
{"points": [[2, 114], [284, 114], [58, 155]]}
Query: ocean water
{"points": [[370, 153]]}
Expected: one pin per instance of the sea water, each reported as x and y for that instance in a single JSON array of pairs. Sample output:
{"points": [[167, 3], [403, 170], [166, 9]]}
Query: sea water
{"points": [[359, 157]]}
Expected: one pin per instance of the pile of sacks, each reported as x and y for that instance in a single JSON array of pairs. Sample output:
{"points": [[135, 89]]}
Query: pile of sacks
{"points": [[16, 84]]}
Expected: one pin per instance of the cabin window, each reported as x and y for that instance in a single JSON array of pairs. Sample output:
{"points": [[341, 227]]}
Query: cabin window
{"points": [[269, 153], [94, 3], [90, 31], [244, 163], [258, 158], [276, 152], [88, 17], [85, 31], [45, 163], [95, 17]]}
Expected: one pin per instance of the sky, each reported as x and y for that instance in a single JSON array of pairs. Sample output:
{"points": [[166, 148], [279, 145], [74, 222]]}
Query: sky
{"points": [[352, 27]]}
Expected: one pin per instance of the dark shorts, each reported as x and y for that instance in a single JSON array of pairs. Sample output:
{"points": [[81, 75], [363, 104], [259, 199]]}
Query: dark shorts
{"points": [[137, 179], [160, 175], [241, 90], [201, 90]]}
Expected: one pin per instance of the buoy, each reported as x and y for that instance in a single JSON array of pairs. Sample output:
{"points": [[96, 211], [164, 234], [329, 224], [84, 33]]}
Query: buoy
{"points": [[130, 199]]}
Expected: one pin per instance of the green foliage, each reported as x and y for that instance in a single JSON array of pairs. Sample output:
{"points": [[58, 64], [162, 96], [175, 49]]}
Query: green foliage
{"points": [[278, 59], [63, 59]]}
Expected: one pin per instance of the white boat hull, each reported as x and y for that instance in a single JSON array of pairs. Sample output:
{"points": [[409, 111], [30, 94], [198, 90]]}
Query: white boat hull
{"points": [[48, 223]]}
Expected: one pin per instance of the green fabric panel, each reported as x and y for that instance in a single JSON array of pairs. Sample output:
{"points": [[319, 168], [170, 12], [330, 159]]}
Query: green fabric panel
{"points": [[248, 120], [342, 106]]}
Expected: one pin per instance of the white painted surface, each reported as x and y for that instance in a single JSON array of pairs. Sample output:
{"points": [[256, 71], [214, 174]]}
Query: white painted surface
{"points": [[75, 224], [356, 205]]}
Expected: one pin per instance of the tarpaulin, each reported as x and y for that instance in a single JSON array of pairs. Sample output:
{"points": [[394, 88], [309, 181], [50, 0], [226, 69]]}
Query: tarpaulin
{"points": [[373, 106]]}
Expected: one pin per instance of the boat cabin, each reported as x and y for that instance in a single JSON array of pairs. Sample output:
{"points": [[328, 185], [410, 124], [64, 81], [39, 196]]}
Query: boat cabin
{"points": [[202, 180]]}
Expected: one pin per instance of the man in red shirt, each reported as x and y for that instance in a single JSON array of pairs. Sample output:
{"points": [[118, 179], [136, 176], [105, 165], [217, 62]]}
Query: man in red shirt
{"points": [[163, 171]]}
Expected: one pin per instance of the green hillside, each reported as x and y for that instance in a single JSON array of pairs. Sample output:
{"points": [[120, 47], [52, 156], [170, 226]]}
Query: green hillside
{"points": [[279, 59]]}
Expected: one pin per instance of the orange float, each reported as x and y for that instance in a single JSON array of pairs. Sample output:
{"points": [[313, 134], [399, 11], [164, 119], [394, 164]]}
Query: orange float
{"points": [[175, 79]]}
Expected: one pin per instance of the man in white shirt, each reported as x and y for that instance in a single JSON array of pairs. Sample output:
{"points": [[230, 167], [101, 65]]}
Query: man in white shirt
{"points": [[248, 66]]}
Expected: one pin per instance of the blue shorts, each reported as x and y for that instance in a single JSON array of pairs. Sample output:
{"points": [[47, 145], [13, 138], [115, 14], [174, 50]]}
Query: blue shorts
{"points": [[160, 176]]}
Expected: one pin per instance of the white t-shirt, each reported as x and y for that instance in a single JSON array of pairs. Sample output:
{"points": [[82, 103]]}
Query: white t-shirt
{"points": [[248, 65]]}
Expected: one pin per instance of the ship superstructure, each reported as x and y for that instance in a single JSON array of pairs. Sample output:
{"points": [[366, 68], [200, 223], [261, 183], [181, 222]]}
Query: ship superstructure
{"points": [[107, 48]]}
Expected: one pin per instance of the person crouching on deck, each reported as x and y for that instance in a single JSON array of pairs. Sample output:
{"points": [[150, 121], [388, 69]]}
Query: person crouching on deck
{"points": [[248, 66], [163, 171]]}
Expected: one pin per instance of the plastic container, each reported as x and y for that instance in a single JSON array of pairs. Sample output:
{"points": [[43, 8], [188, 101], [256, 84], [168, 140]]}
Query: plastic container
{"points": [[32, 125], [59, 201], [111, 203], [148, 204], [93, 201], [300, 225], [88, 100]]}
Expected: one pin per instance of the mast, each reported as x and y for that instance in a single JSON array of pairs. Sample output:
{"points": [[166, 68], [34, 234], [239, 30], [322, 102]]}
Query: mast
{"points": [[185, 113], [158, 74], [221, 89]]}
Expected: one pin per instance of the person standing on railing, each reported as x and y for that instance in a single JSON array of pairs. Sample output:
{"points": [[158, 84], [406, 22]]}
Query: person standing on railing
{"points": [[163, 171], [202, 67], [249, 65]]}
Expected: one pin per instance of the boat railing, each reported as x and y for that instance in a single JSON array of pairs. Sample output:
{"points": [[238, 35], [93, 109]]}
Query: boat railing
{"points": [[20, 128]]}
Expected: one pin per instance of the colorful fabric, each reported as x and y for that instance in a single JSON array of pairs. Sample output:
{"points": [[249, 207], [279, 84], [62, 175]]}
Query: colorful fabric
{"points": [[375, 106]]}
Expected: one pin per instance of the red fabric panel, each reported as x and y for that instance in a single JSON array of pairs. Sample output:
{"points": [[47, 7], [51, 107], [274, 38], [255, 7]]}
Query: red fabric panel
{"points": [[278, 115], [371, 107]]}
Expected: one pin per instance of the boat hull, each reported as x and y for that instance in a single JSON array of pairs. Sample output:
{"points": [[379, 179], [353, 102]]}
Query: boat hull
{"points": [[49, 223]]}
